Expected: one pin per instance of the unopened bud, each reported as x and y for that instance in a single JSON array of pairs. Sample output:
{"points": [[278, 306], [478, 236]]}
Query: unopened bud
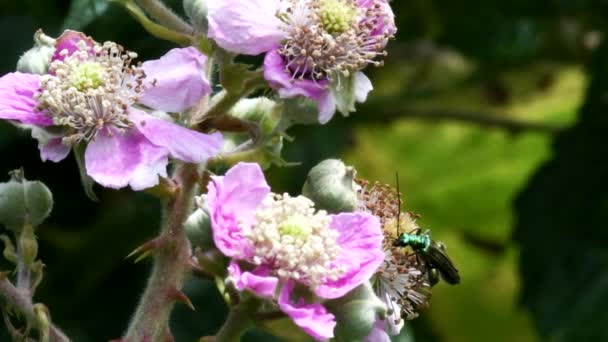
{"points": [[24, 202], [356, 313], [263, 111], [28, 245], [212, 261], [198, 226], [9, 253], [331, 185], [299, 111], [37, 59], [197, 12]]}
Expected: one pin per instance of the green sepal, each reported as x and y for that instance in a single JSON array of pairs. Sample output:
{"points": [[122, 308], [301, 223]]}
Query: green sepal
{"points": [[285, 329], [343, 89], [86, 180]]}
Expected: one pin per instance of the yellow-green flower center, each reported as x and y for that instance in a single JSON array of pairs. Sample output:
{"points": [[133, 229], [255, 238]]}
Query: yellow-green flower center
{"points": [[337, 16], [296, 226], [87, 75]]}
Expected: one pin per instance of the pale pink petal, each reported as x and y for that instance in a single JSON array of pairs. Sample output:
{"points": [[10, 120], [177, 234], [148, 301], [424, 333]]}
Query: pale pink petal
{"points": [[327, 107], [248, 27], [116, 160], [257, 281], [17, 102], [176, 81], [183, 143], [314, 319], [68, 41], [361, 243], [232, 200], [362, 87], [154, 160], [54, 150], [50, 144]]}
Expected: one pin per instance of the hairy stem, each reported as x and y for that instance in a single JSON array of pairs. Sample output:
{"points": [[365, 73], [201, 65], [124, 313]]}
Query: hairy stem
{"points": [[151, 319], [22, 304], [159, 11], [239, 320]]}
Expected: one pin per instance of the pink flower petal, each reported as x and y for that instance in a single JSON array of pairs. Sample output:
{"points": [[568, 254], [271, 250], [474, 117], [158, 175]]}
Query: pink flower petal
{"points": [[248, 27], [361, 242], [116, 160], [232, 199], [68, 41], [274, 73], [176, 81], [54, 150], [17, 102], [50, 144], [257, 281], [314, 319], [183, 143]]}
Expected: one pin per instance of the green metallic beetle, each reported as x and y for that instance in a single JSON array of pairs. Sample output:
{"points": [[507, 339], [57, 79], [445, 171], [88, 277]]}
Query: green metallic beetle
{"points": [[433, 254]]}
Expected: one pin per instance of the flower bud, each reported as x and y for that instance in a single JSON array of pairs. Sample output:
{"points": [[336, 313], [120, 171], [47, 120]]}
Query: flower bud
{"points": [[198, 226], [263, 111], [299, 111], [356, 313], [197, 12], [37, 59], [43, 321], [331, 185], [24, 202]]}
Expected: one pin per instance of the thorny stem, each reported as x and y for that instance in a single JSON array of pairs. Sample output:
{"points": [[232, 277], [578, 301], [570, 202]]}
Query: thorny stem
{"points": [[22, 304], [239, 320], [151, 320], [159, 11]]}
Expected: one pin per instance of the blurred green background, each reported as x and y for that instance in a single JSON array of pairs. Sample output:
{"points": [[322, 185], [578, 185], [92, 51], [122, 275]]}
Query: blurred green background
{"points": [[494, 114]]}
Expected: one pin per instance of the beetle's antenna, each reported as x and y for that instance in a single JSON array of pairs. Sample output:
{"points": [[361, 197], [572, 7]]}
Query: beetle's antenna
{"points": [[399, 202]]}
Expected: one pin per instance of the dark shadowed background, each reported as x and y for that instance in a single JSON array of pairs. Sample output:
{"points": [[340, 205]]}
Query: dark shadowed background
{"points": [[495, 115]]}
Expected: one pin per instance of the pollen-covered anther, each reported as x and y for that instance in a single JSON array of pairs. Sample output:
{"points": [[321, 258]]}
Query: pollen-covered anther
{"points": [[294, 240], [330, 37], [91, 90]]}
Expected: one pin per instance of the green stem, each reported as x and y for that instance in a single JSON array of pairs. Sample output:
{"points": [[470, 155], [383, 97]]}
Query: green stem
{"points": [[22, 304], [151, 320], [159, 11], [153, 28], [239, 320]]}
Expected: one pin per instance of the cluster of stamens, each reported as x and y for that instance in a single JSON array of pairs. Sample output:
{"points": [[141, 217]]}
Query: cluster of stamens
{"points": [[91, 90], [327, 38], [295, 241], [402, 278]]}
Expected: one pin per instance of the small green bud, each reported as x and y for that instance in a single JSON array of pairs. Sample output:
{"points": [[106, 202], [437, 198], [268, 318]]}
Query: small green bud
{"points": [[43, 321], [198, 226], [212, 261], [356, 313], [37, 59], [24, 202], [197, 12], [263, 111], [331, 185]]}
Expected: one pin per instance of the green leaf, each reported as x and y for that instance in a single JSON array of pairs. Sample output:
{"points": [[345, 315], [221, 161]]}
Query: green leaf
{"points": [[561, 227], [83, 12]]}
